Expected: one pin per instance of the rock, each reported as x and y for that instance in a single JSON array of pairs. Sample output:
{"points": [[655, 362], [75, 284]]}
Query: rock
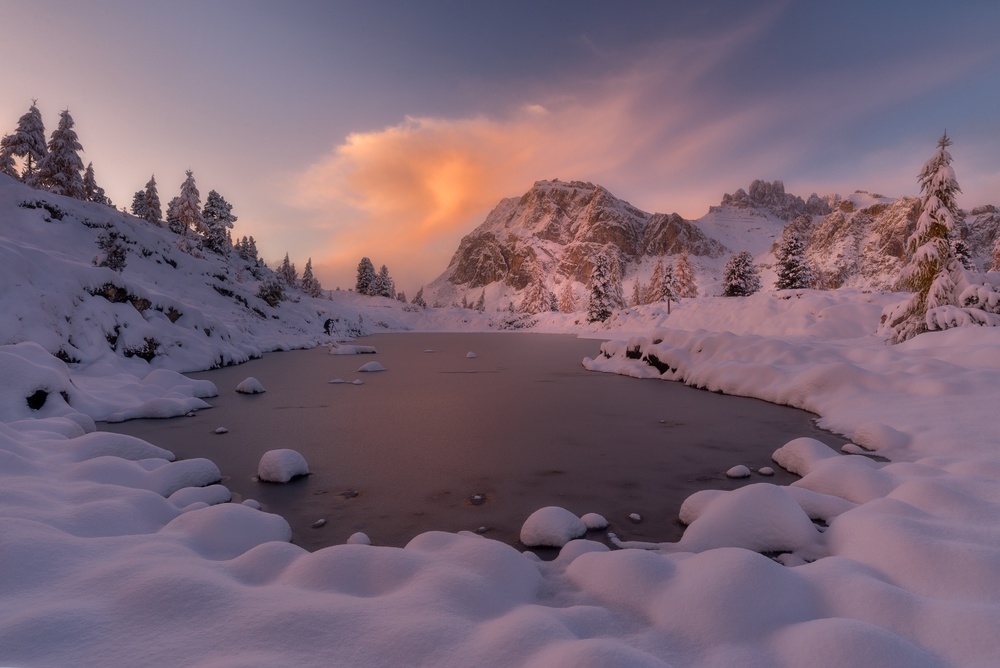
{"points": [[738, 471], [281, 465], [250, 386]]}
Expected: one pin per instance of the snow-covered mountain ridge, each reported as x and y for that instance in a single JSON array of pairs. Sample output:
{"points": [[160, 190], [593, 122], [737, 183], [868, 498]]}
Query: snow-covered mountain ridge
{"points": [[559, 228]]}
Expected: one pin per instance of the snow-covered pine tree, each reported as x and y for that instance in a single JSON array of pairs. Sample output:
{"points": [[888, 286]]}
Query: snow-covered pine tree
{"points": [[617, 290], [173, 219], [794, 272], [741, 277], [945, 294], [61, 170], [139, 204], [310, 284], [401, 296], [652, 292], [418, 299], [481, 302], [684, 278], [638, 293], [567, 300], [218, 219], [113, 252], [7, 164], [94, 192], [246, 248], [601, 303], [553, 302], [384, 286], [962, 254], [28, 142], [287, 273], [536, 295], [366, 277], [188, 208], [151, 208]]}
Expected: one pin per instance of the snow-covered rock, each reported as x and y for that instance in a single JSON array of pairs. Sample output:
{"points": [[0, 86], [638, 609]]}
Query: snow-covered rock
{"points": [[281, 465], [593, 521], [359, 538], [250, 385], [371, 367], [738, 471], [551, 526]]}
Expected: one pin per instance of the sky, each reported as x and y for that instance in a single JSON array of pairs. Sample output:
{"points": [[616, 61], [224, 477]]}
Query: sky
{"points": [[390, 129]]}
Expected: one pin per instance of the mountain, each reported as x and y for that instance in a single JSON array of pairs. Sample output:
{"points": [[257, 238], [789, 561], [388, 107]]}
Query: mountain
{"points": [[559, 228]]}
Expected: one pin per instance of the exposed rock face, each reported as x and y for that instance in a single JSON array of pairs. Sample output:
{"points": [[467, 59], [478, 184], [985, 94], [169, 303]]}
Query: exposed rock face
{"points": [[562, 227], [773, 198]]}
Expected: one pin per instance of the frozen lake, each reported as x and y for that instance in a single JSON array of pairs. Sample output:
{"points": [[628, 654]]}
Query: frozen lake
{"points": [[440, 441]]}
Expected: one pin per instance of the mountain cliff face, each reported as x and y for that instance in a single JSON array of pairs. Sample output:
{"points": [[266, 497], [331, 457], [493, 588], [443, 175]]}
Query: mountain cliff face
{"points": [[557, 229]]}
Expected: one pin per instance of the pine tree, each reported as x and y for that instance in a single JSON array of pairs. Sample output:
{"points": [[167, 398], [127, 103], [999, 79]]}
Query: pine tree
{"points": [[961, 251], [401, 296], [794, 272], [567, 300], [652, 291], [310, 285], [113, 253], [188, 207], [173, 217], [94, 192], [418, 299], [151, 210], [383, 285], [7, 165], [740, 278], [684, 278], [602, 297], [616, 290], [28, 142], [481, 302], [638, 293], [61, 170], [943, 294], [287, 273], [246, 248], [366, 277], [217, 219], [536, 296]]}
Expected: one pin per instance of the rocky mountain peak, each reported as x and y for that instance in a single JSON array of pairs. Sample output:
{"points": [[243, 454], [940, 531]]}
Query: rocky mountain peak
{"points": [[771, 197]]}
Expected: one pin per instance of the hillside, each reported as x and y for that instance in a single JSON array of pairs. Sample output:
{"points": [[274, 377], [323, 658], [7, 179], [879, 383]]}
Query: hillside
{"points": [[169, 308]]}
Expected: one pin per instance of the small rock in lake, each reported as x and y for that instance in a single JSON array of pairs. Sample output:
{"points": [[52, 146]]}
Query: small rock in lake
{"points": [[765, 470], [318, 523], [251, 503], [477, 499], [357, 381], [635, 517], [429, 350], [371, 367], [482, 530], [471, 355], [738, 471], [337, 381], [221, 430]]}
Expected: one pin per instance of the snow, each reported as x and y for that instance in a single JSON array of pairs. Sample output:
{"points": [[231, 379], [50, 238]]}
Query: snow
{"points": [[471, 355], [551, 526], [359, 538], [593, 521], [738, 471], [250, 386], [112, 550], [371, 367], [281, 465]]}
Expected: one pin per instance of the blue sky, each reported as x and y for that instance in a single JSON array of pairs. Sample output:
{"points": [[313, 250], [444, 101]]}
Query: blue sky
{"points": [[389, 129]]}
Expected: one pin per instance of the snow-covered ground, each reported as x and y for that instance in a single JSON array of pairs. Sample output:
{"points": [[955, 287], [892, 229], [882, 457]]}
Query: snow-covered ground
{"points": [[111, 553]]}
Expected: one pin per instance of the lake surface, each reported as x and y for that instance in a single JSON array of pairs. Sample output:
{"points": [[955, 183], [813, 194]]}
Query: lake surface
{"points": [[439, 441]]}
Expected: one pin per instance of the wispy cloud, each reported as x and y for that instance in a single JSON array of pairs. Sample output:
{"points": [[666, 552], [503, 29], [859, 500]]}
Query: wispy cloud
{"points": [[664, 132]]}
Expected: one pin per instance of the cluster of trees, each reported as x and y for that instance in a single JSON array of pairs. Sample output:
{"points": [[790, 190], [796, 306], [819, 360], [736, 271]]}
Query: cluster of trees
{"points": [[55, 166], [376, 284], [666, 284]]}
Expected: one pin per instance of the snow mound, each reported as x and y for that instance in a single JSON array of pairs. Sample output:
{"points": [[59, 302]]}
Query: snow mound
{"points": [[471, 355], [359, 538], [594, 522], [371, 367], [765, 470], [551, 526], [738, 471], [281, 465], [761, 517], [250, 385], [227, 530]]}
